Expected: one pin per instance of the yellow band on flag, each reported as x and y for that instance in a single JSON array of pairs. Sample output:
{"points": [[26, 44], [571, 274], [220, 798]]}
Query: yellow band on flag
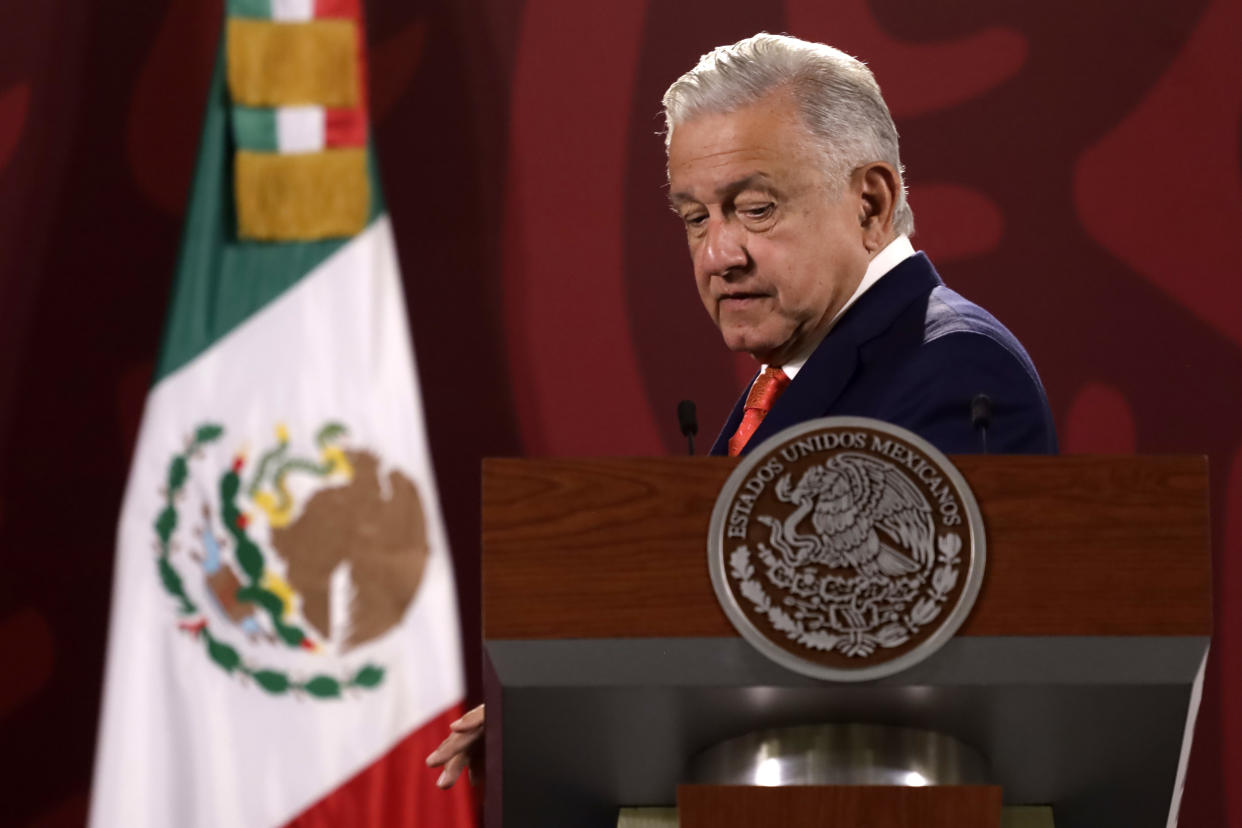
{"points": [[301, 197], [291, 64]]}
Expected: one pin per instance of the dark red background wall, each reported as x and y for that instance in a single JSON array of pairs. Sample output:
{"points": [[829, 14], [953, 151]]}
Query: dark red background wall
{"points": [[1073, 166]]}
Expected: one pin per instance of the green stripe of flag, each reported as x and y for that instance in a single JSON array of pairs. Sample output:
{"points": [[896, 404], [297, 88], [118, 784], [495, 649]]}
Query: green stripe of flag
{"points": [[249, 8], [254, 128]]}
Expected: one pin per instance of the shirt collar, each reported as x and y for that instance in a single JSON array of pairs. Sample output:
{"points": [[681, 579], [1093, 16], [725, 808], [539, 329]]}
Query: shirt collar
{"points": [[893, 254]]}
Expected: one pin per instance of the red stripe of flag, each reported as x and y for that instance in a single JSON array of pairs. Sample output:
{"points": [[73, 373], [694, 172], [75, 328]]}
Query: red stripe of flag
{"points": [[339, 8], [345, 127], [398, 789]]}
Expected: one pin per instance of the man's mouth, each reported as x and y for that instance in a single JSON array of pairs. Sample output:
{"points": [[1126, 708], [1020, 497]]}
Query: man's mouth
{"points": [[739, 298]]}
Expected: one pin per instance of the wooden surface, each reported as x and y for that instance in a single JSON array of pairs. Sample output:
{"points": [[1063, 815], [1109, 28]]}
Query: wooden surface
{"points": [[1013, 816], [616, 548], [832, 806]]}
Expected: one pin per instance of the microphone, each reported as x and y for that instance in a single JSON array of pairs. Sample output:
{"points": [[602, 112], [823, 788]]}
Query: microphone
{"points": [[981, 418], [688, 421]]}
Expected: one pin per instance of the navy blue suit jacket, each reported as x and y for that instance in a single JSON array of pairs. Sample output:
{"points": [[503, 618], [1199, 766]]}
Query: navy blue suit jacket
{"points": [[913, 353]]}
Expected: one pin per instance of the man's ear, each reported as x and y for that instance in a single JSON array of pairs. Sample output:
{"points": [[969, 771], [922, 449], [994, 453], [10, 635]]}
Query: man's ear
{"points": [[879, 186]]}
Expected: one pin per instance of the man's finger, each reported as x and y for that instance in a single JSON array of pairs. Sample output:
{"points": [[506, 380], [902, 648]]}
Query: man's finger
{"points": [[455, 744], [450, 747], [452, 770], [471, 721]]}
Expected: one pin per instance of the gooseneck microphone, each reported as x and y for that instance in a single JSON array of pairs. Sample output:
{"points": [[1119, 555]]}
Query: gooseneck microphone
{"points": [[688, 421], [981, 418]]}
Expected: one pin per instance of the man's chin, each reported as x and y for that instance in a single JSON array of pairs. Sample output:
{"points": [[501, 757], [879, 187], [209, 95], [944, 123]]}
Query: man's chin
{"points": [[759, 348]]}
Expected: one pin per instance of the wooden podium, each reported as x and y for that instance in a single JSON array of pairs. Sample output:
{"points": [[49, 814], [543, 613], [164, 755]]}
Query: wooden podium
{"points": [[608, 662]]}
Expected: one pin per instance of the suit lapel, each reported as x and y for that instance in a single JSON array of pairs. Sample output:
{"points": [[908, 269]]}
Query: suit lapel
{"points": [[829, 369]]}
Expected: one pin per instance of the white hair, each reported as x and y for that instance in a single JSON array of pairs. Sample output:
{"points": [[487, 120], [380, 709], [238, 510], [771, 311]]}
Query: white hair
{"points": [[836, 95]]}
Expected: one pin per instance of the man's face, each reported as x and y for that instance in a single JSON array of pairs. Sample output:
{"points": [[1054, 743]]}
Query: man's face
{"points": [[777, 248]]}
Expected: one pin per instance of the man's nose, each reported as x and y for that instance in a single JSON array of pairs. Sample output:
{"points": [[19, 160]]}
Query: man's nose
{"points": [[724, 247]]}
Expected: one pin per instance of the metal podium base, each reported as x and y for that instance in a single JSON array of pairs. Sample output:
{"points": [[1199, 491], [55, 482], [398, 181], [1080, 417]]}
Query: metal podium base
{"points": [[841, 754]]}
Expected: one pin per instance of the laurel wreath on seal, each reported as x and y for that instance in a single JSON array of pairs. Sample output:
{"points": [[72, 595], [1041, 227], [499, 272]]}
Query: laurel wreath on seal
{"points": [[857, 643], [250, 559]]}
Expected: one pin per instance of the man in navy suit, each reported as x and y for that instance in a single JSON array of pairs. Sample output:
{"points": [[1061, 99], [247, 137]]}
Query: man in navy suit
{"points": [[783, 165]]}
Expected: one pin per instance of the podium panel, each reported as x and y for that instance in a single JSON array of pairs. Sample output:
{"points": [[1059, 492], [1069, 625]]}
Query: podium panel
{"points": [[875, 806], [609, 663]]}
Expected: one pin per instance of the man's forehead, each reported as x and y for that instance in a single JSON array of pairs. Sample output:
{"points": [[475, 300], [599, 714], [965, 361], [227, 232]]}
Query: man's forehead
{"points": [[759, 145]]}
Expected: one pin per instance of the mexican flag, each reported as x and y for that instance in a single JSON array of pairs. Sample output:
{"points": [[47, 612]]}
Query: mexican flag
{"points": [[283, 645]]}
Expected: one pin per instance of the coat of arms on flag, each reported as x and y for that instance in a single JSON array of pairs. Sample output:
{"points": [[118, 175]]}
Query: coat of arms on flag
{"points": [[318, 554]]}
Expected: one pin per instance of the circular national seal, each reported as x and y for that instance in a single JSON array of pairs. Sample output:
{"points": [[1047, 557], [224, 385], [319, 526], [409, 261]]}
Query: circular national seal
{"points": [[846, 548]]}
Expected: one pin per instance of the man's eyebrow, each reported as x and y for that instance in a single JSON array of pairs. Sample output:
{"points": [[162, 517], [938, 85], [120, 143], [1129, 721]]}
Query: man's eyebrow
{"points": [[756, 181]]}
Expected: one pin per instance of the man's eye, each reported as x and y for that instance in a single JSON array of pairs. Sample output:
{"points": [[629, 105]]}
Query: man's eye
{"points": [[694, 219], [757, 212]]}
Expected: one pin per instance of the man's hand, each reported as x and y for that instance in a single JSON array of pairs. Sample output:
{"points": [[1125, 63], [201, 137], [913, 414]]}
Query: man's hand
{"points": [[454, 752]]}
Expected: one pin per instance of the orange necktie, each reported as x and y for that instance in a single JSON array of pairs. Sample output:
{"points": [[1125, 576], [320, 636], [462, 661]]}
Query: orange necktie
{"points": [[758, 403]]}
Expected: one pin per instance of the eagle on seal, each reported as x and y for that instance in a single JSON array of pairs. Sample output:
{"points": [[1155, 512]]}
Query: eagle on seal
{"points": [[866, 515]]}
